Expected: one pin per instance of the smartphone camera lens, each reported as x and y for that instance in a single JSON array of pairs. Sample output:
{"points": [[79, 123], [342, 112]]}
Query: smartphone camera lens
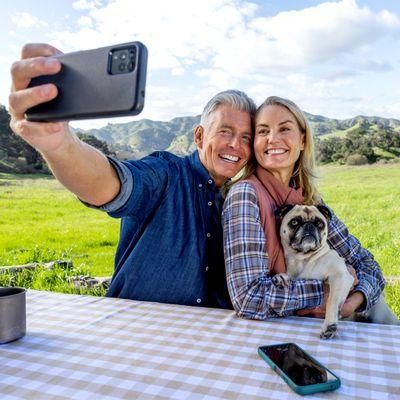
{"points": [[122, 61]]}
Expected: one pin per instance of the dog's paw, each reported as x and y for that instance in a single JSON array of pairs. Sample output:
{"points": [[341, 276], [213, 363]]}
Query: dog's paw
{"points": [[281, 280], [329, 332]]}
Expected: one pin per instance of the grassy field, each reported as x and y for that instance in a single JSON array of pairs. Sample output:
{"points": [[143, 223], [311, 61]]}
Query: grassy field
{"points": [[366, 199], [40, 221]]}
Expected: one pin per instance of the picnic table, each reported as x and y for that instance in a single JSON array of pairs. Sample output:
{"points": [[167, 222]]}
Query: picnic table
{"points": [[84, 347]]}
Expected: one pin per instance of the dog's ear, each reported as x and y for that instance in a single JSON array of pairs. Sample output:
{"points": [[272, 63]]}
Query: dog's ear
{"points": [[325, 211], [281, 211]]}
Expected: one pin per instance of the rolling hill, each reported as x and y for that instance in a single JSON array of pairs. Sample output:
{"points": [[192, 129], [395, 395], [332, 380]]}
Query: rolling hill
{"points": [[138, 138]]}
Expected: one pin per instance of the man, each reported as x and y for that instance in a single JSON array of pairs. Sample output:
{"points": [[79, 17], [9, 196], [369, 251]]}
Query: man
{"points": [[170, 248]]}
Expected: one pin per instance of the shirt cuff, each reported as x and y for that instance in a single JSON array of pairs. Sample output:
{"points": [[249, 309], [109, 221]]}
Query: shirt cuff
{"points": [[310, 293], [368, 291], [126, 179]]}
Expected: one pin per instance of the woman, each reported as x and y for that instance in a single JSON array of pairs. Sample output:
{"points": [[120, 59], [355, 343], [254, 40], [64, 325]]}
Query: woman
{"points": [[284, 174]]}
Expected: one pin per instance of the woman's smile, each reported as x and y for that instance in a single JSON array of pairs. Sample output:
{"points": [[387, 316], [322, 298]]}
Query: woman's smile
{"points": [[275, 152]]}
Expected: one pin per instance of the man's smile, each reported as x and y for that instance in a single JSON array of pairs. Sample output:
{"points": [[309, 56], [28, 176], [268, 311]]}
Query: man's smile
{"points": [[229, 158]]}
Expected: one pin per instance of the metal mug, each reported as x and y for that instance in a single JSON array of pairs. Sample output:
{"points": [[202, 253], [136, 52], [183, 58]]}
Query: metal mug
{"points": [[12, 314]]}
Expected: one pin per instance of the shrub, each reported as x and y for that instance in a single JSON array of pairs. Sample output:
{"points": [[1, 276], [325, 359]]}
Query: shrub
{"points": [[356, 159]]}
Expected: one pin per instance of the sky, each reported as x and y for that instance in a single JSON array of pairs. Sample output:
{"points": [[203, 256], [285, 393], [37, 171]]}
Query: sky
{"points": [[333, 58]]}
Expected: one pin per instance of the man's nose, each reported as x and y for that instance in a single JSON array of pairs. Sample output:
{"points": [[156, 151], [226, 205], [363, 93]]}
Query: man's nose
{"points": [[234, 142]]}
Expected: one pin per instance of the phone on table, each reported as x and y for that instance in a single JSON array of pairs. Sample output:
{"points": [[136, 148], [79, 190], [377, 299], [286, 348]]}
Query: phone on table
{"points": [[303, 373], [99, 83]]}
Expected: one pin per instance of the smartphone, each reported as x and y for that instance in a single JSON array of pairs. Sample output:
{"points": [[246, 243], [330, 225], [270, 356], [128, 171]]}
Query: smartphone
{"points": [[303, 373], [99, 83]]}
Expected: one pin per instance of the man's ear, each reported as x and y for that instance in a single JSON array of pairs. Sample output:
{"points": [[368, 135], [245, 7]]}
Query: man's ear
{"points": [[198, 136], [281, 211]]}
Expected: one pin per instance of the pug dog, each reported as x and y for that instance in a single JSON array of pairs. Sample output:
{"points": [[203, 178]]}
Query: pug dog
{"points": [[304, 232]]}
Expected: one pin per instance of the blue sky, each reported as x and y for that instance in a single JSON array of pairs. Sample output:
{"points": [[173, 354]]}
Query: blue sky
{"points": [[336, 58]]}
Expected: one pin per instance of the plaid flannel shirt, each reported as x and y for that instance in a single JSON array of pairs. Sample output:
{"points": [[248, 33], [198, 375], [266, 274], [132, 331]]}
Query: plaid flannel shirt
{"points": [[249, 283]]}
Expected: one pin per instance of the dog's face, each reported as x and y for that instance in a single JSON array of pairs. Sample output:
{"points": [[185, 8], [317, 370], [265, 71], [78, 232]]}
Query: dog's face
{"points": [[304, 228]]}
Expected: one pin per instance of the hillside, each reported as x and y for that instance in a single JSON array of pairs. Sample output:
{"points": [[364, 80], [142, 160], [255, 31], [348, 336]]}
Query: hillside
{"points": [[373, 137], [138, 138]]}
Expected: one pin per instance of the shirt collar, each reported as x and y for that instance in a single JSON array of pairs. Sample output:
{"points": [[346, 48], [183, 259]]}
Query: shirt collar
{"points": [[201, 174]]}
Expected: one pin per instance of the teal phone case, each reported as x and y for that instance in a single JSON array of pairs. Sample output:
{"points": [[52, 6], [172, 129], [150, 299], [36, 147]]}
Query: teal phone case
{"points": [[302, 390]]}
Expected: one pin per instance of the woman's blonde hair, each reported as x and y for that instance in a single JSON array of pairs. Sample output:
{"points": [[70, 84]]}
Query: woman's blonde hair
{"points": [[304, 172]]}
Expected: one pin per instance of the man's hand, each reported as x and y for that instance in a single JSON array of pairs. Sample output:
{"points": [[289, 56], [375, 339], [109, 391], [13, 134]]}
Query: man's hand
{"points": [[35, 60], [353, 301], [81, 168]]}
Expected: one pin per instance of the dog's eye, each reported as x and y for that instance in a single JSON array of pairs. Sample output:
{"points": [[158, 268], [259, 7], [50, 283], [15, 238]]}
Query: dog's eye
{"points": [[320, 224], [294, 222]]}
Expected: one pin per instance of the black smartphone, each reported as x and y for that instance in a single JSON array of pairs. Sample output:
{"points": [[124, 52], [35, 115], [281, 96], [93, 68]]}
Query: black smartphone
{"points": [[303, 373], [99, 83]]}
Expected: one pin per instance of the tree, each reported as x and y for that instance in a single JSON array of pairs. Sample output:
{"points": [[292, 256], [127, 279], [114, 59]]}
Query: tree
{"points": [[97, 143], [386, 139], [329, 150]]}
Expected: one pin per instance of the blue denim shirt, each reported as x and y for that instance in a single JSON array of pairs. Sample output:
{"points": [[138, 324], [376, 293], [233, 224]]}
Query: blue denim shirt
{"points": [[170, 247]]}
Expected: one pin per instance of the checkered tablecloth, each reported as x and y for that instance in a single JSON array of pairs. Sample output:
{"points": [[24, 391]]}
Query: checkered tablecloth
{"points": [[82, 347]]}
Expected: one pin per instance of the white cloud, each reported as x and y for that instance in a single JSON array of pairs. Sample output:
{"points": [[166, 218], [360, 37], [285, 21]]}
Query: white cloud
{"points": [[85, 4], [297, 39], [85, 21], [178, 32], [229, 40], [322, 57], [26, 20]]}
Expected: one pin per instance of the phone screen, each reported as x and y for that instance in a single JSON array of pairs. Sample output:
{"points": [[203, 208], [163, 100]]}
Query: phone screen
{"points": [[297, 365]]}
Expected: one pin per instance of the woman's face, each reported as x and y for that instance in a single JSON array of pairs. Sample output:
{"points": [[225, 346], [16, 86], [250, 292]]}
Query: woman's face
{"points": [[278, 141]]}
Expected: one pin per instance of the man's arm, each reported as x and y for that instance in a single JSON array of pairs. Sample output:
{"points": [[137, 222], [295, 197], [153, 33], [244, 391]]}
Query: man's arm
{"points": [[250, 285], [81, 168]]}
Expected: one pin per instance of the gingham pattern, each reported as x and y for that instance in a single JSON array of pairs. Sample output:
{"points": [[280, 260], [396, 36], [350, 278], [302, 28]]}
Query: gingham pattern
{"points": [[250, 286], [82, 347]]}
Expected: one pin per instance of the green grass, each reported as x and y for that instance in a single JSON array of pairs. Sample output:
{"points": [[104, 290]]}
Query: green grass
{"points": [[366, 199], [339, 134], [40, 221], [56, 279], [384, 153], [392, 294]]}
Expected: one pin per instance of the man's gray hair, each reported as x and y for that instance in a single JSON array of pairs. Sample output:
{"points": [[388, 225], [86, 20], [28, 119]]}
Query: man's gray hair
{"points": [[235, 98]]}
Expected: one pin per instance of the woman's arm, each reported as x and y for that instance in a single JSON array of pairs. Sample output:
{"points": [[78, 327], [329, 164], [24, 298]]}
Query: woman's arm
{"points": [[250, 286]]}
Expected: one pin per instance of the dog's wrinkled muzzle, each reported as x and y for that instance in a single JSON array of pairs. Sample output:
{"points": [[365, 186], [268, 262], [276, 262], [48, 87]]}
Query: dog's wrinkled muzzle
{"points": [[307, 238]]}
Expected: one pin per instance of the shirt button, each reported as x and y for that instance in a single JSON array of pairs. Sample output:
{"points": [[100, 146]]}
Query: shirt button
{"points": [[210, 203], [207, 268], [210, 181], [200, 185], [198, 301], [208, 234]]}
